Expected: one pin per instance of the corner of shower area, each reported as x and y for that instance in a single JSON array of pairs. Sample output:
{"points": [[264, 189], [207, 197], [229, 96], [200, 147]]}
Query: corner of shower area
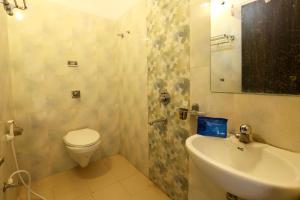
{"points": [[124, 63]]}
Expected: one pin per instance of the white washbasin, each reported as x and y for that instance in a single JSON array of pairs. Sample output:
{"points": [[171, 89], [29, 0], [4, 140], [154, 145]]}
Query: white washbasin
{"points": [[252, 171]]}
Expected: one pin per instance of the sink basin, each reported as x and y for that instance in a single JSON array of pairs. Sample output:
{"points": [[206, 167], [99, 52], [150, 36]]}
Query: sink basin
{"points": [[252, 171]]}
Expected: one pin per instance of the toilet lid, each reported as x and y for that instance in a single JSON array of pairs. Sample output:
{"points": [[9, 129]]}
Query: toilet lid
{"points": [[82, 138]]}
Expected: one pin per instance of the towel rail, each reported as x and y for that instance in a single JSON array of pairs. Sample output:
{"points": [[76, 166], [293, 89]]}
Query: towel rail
{"points": [[221, 39]]}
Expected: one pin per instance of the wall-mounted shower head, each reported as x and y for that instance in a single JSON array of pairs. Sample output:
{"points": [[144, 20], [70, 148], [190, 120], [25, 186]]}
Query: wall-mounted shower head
{"points": [[8, 7], [20, 7], [9, 11]]}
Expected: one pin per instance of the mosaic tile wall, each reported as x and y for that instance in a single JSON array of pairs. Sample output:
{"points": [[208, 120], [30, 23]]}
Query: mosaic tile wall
{"points": [[5, 106], [168, 68], [40, 46], [132, 62]]}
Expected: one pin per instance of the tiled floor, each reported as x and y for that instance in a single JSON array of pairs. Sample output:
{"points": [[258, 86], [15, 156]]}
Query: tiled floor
{"points": [[112, 178]]}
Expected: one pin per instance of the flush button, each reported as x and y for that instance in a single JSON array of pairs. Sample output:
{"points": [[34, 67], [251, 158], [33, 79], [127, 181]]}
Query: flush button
{"points": [[76, 94]]}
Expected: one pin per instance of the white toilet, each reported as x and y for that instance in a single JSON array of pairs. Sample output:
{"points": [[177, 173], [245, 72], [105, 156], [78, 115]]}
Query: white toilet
{"points": [[81, 144]]}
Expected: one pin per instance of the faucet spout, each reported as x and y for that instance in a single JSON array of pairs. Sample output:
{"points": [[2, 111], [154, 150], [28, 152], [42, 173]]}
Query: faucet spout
{"points": [[245, 135]]}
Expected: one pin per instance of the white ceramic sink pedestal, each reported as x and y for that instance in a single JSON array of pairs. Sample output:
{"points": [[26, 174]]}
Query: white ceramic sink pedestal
{"points": [[252, 171]]}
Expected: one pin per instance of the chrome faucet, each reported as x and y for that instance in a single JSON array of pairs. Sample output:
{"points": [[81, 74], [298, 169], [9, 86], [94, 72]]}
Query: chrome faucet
{"points": [[245, 134], [161, 120]]}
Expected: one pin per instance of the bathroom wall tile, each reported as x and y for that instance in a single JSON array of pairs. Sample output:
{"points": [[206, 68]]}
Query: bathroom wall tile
{"points": [[168, 68], [132, 64], [200, 43], [5, 106], [60, 160], [42, 83], [273, 118], [215, 105]]}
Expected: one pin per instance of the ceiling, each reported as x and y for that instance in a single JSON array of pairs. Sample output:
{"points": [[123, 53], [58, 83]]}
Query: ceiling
{"points": [[110, 9]]}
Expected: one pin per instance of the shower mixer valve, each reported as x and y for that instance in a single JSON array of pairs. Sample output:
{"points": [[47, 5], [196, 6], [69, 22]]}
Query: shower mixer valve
{"points": [[164, 97]]}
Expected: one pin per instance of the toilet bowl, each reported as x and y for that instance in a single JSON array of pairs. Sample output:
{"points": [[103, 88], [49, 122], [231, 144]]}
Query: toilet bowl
{"points": [[81, 144]]}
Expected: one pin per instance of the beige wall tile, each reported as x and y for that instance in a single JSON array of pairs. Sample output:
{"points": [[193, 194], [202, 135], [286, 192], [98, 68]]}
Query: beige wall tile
{"points": [[132, 61], [273, 118], [5, 105], [41, 45]]}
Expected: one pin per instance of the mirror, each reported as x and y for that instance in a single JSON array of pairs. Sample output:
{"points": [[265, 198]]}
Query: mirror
{"points": [[255, 46]]}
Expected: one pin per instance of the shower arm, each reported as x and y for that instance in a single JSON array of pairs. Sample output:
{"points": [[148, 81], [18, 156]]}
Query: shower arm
{"points": [[24, 7], [8, 5], [4, 2]]}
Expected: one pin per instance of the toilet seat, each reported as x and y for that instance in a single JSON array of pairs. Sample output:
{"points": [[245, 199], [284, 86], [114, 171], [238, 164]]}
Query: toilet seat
{"points": [[82, 138]]}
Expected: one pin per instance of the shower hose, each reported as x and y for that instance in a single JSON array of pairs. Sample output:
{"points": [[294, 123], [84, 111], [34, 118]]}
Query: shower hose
{"points": [[19, 173]]}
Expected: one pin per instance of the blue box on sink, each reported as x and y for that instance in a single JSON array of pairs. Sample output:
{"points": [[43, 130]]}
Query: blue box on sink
{"points": [[215, 127]]}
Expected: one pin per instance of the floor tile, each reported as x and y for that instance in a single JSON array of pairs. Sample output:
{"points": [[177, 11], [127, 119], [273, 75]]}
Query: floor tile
{"points": [[84, 197], [112, 192], [43, 187], [96, 175], [152, 193], [68, 187], [112, 178], [120, 167], [136, 183]]}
